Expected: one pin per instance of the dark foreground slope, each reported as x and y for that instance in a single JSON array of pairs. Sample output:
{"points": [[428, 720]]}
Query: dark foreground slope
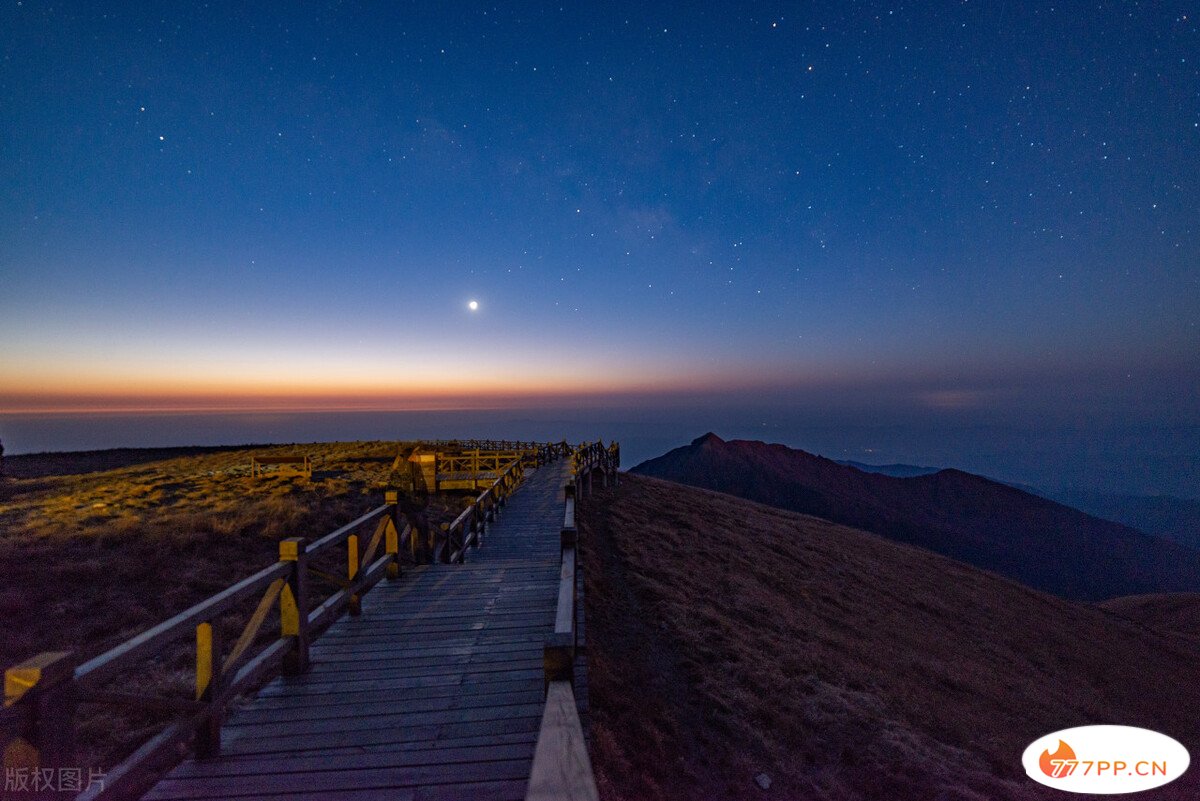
{"points": [[727, 638], [988, 524]]}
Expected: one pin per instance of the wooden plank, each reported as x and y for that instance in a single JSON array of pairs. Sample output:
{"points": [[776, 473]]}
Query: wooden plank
{"points": [[386, 737], [228, 787], [504, 790], [463, 666], [257, 715], [569, 515], [431, 743], [564, 618], [398, 683], [316, 763], [562, 770], [302, 696]]}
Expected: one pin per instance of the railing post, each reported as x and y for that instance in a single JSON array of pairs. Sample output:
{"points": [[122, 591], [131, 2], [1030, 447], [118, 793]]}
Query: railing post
{"points": [[391, 538], [352, 566], [208, 690], [446, 534], [43, 688], [293, 605], [558, 658]]}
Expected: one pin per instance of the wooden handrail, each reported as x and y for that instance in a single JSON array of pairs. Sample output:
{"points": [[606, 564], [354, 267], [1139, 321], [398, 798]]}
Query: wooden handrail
{"points": [[154, 639], [340, 535], [561, 767]]}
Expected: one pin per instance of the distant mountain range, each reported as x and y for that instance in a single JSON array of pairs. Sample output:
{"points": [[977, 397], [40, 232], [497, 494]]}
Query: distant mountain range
{"points": [[894, 470], [1166, 516], [992, 525]]}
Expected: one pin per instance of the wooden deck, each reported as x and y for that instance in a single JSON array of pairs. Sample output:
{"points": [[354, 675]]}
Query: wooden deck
{"points": [[435, 692]]}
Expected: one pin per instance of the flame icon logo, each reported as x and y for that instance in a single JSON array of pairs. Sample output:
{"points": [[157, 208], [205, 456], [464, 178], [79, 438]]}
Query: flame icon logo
{"points": [[1056, 765]]}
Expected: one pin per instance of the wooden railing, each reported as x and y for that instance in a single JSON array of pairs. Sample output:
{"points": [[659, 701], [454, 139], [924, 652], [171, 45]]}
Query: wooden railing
{"points": [[445, 465], [561, 766], [535, 453], [468, 528], [487, 444], [40, 694], [591, 458]]}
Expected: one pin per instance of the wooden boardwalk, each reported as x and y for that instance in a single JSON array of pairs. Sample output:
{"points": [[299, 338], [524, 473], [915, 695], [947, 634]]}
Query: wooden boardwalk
{"points": [[435, 692]]}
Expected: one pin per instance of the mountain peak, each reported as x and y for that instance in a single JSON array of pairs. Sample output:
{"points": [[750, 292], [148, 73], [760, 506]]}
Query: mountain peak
{"points": [[708, 438]]}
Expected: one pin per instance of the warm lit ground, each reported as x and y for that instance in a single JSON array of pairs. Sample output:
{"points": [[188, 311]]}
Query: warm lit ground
{"points": [[726, 638], [93, 558]]}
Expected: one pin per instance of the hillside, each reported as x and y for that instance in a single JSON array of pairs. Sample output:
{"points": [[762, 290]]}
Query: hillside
{"points": [[728, 638], [991, 525], [1177, 613]]}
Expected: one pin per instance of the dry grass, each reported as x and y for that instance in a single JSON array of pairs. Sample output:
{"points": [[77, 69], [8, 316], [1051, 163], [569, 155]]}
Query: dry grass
{"points": [[727, 638], [91, 559], [1176, 613]]}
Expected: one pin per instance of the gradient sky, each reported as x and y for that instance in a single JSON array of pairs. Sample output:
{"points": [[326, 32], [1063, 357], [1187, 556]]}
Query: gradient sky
{"points": [[949, 205]]}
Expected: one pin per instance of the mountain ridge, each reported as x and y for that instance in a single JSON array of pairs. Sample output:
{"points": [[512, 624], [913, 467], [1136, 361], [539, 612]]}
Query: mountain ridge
{"points": [[962, 515]]}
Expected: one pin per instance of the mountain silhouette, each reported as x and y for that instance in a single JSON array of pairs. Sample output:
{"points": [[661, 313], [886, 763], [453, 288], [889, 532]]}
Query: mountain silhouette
{"points": [[991, 525]]}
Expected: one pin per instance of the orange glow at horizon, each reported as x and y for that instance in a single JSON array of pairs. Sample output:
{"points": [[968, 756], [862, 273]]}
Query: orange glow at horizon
{"points": [[476, 387]]}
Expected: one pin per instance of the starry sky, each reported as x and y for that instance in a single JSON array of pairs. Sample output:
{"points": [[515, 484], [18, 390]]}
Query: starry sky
{"points": [[987, 208]]}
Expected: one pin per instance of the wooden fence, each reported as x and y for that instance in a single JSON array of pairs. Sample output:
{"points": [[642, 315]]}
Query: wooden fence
{"points": [[40, 695], [489, 444], [295, 463], [446, 465], [562, 770]]}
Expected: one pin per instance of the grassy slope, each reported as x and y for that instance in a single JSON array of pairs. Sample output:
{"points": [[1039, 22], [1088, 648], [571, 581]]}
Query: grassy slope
{"points": [[91, 559], [727, 638], [1177, 613]]}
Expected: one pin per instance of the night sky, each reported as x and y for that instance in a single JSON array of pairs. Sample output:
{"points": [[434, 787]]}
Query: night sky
{"points": [[976, 207]]}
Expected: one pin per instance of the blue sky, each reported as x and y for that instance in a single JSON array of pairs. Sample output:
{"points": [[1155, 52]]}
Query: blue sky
{"points": [[949, 206]]}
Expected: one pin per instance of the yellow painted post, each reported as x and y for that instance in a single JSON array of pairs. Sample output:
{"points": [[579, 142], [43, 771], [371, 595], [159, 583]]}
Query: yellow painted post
{"points": [[208, 680], [293, 605], [352, 571], [205, 661], [42, 689], [391, 538]]}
